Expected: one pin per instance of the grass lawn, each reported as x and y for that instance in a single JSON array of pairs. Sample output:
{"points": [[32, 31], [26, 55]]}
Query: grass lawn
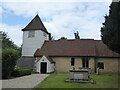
{"points": [[102, 81]]}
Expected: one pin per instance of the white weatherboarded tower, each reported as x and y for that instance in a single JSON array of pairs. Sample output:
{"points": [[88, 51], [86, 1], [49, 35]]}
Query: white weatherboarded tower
{"points": [[34, 35]]}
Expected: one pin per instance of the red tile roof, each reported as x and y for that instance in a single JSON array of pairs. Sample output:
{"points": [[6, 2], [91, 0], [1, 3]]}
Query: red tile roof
{"points": [[75, 47], [35, 24], [103, 51]]}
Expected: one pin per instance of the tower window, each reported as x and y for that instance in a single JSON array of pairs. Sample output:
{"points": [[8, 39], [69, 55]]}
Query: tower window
{"points": [[31, 34], [101, 65], [72, 61]]}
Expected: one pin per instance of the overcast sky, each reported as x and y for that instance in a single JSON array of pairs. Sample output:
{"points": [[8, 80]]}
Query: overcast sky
{"points": [[60, 18]]}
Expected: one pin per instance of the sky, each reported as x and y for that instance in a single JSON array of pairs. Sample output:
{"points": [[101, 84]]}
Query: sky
{"points": [[61, 18]]}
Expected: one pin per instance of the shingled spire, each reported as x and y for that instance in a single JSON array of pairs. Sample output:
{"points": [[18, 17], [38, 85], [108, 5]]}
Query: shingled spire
{"points": [[35, 24]]}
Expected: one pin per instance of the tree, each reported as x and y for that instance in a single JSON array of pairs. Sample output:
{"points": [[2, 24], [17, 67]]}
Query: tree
{"points": [[9, 57], [63, 38], [10, 54], [110, 32], [6, 42]]}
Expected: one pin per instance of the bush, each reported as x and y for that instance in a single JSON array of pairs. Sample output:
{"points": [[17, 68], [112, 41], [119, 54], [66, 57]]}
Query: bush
{"points": [[9, 57], [21, 72]]}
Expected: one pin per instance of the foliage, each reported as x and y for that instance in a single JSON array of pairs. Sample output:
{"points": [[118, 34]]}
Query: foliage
{"points": [[9, 57], [63, 38], [58, 81], [10, 53], [110, 32], [6, 42], [21, 72], [34, 72]]}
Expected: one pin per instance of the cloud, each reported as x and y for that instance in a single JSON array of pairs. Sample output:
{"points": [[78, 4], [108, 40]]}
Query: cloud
{"points": [[64, 27], [60, 1], [83, 17], [50, 9], [1, 11], [13, 32], [63, 19]]}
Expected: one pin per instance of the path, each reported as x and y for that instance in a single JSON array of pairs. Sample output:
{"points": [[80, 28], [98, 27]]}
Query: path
{"points": [[29, 81]]}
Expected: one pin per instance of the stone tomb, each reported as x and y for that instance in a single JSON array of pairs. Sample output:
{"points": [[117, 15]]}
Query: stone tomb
{"points": [[80, 75]]}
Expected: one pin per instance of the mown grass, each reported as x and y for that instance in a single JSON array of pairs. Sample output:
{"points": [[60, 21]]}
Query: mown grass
{"points": [[58, 81]]}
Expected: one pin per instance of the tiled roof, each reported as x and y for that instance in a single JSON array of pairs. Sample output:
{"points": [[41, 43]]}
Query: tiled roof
{"points": [[35, 24], [103, 51], [75, 47]]}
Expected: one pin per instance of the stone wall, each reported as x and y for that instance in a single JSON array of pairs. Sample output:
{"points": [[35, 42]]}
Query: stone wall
{"points": [[110, 65], [63, 64]]}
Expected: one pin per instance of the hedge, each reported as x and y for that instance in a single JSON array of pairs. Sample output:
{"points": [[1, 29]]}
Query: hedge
{"points": [[9, 58], [21, 72]]}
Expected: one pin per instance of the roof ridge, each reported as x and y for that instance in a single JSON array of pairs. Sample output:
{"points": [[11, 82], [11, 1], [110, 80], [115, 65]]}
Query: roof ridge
{"points": [[68, 40], [87, 39], [30, 21]]}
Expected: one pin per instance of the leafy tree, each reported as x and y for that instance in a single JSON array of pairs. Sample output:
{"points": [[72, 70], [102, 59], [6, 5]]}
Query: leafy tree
{"points": [[63, 38], [110, 32], [10, 54], [6, 42], [9, 57]]}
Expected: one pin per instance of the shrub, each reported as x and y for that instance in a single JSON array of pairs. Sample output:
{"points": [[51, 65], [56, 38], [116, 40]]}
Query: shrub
{"points": [[21, 72], [9, 57]]}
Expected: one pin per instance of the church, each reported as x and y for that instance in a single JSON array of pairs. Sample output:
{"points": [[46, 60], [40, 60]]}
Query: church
{"points": [[43, 55]]}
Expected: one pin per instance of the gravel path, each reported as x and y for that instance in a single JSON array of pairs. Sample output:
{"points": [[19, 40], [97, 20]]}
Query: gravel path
{"points": [[29, 81]]}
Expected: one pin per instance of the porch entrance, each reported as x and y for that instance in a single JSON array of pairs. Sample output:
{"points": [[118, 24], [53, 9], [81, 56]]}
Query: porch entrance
{"points": [[43, 67]]}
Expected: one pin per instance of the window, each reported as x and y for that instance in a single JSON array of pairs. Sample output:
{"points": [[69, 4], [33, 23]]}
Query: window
{"points": [[72, 61], [31, 34], [85, 62], [101, 65]]}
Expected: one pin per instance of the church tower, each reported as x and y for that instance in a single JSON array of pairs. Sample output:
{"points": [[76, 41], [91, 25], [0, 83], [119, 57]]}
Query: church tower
{"points": [[34, 35]]}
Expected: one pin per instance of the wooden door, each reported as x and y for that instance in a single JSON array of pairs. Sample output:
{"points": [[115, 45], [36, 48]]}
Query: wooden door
{"points": [[43, 67]]}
